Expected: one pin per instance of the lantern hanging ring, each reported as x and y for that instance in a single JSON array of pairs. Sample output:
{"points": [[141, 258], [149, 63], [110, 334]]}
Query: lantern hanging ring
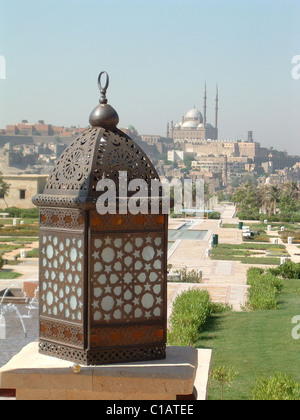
{"points": [[104, 88]]}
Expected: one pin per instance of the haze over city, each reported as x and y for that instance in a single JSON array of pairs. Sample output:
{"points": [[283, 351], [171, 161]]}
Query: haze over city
{"points": [[159, 55]]}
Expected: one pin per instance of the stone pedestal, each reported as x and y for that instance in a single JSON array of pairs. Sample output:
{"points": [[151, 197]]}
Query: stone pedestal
{"points": [[34, 376]]}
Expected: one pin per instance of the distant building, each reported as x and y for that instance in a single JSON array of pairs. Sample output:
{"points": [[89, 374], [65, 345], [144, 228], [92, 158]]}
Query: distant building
{"points": [[175, 155], [40, 129], [21, 190], [194, 128]]}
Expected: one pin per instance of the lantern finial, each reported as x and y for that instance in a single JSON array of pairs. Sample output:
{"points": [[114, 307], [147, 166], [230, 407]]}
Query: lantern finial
{"points": [[104, 115], [103, 89]]}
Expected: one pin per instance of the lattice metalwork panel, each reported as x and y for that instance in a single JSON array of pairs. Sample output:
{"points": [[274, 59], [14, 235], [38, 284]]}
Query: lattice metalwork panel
{"points": [[72, 169], [118, 152], [105, 356], [63, 352], [119, 222], [62, 218], [127, 277], [62, 275], [123, 354], [95, 155], [127, 335], [61, 332]]}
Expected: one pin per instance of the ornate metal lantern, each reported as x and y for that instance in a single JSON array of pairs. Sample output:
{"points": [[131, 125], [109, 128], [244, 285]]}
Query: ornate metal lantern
{"points": [[102, 277]]}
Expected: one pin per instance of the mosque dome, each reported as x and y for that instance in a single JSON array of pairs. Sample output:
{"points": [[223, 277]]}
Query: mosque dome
{"points": [[190, 124], [130, 127], [193, 113]]}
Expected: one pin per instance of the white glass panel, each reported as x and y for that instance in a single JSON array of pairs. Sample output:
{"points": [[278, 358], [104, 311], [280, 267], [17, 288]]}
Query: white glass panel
{"points": [[153, 277], [73, 254], [73, 302], [148, 253], [139, 242], [127, 295], [118, 243], [98, 243], [97, 292], [107, 303], [128, 308], [50, 251], [108, 254], [113, 279], [97, 316], [147, 301], [128, 247], [138, 313], [117, 314], [49, 298], [157, 312], [157, 289]]}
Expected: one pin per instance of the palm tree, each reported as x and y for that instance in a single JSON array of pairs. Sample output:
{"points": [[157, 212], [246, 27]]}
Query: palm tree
{"points": [[269, 197], [292, 189]]}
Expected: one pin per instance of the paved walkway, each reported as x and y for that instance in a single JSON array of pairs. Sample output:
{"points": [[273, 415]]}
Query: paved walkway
{"points": [[225, 280]]}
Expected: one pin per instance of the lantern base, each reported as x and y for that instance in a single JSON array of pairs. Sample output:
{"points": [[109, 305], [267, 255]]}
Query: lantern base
{"points": [[105, 355], [34, 376]]}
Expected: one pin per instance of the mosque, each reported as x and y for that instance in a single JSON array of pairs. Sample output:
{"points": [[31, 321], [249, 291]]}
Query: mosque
{"points": [[194, 127]]}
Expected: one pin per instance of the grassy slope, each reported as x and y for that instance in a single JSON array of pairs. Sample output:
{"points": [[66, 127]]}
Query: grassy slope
{"points": [[255, 343]]}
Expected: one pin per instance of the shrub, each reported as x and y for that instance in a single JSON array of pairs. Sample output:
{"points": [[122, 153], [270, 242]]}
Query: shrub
{"points": [[215, 215], [22, 213], [13, 212], [253, 273], [189, 276], [276, 388], [262, 296], [290, 270], [264, 290], [190, 312]]}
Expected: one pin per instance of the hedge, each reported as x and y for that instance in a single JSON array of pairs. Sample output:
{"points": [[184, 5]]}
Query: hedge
{"points": [[191, 310], [289, 270], [264, 291]]}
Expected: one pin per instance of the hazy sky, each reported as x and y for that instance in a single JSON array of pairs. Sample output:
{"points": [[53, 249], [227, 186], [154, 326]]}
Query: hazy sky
{"points": [[158, 53]]}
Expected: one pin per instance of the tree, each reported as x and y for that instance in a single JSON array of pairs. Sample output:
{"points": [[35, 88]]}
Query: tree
{"points": [[4, 188], [269, 197], [188, 159], [224, 376], [246, 198]]}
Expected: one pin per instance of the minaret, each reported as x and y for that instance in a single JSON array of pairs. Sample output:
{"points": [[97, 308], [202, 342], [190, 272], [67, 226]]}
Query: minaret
{"points": [[204, 108], [217, 108]]}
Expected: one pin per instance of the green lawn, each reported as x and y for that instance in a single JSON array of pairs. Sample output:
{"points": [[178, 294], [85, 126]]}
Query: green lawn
{"points": [[9, 275], [35, 253], [250, 253], [18, 240], [8, 248], [262, 226], [21, 231], [27, 221], [255, 343]]}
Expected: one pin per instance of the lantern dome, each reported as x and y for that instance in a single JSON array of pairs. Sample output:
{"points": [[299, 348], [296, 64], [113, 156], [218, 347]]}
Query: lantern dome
{"points": [[98, 153]]}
